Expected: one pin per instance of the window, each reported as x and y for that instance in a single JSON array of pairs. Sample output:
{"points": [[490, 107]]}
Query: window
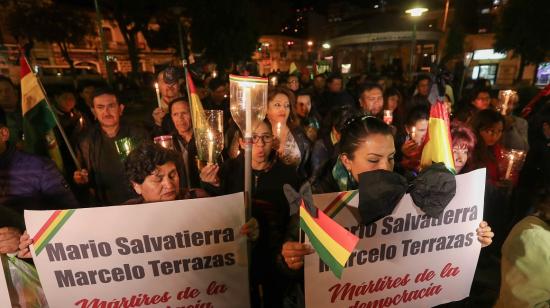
{"points": [[488, 72], [543, 74], [108, 34]]}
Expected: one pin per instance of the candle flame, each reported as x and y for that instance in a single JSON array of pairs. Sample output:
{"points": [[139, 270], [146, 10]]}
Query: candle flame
{"points": [[156, 85]]}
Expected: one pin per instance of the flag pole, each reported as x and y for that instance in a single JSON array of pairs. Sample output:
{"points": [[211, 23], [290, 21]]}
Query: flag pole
{"points": [[61, 130]]}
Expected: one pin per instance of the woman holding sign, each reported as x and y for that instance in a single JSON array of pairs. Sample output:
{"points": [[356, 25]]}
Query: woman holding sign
{"points": [[269, 207], [367, 144]]}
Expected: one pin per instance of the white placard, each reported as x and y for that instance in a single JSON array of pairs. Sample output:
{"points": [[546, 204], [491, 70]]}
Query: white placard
{"points": [[186, 253], [4, 293], [407, 258]]}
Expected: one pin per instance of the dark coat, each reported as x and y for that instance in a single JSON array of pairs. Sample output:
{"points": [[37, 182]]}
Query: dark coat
{"points": [[192, 168], [29, 182], [89, 153], [271, 209], [323, 150], [304, 144]]}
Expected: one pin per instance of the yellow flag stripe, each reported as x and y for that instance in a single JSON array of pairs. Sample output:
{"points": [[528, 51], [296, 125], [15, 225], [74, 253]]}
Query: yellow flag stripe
{"points": [[50, 228], [31, 93], [438, 148]]}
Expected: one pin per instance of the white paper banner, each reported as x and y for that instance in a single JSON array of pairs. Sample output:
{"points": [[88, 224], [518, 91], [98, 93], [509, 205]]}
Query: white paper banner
{"points": [[4, 293], [186, 253], [407, 258]]}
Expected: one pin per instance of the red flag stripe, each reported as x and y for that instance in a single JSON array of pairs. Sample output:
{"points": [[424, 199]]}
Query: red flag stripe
{"points": [[335, 231], [25, 68], [46, 225]]}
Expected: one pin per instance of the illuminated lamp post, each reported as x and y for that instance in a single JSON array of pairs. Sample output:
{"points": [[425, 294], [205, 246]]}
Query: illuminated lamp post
{"points": [[414, 12]]}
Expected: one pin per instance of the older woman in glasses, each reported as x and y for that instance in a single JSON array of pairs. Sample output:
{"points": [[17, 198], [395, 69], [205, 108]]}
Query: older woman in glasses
{"points": [[270, 207]]}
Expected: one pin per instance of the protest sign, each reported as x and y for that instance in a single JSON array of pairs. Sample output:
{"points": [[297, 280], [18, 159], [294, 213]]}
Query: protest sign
{"points": [[4, 292], [186, 253], [406, 258]]}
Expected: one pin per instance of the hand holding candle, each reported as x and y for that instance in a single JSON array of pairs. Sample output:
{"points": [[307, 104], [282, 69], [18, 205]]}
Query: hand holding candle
{"points": [[157, 90], [388, 116], [511, 163], [413, 132], [504, 97]]}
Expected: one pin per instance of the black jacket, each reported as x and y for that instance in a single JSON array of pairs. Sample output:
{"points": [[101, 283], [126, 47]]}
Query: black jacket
{"points": [[304, 144], [89, 152], [271, 210]]}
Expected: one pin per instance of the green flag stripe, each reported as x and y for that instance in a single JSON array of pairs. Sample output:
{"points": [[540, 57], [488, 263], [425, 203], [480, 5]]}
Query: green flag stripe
{"points": [[325, 255]]}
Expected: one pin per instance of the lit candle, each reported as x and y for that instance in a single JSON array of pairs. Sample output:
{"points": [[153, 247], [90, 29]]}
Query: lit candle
{"points": [[273, 81], [81, 120], [413, 132], [248, 101], [388, 116], [279, 130], [210, 147], [507, 95], [214, 74], [510, 165], [158, 95]]}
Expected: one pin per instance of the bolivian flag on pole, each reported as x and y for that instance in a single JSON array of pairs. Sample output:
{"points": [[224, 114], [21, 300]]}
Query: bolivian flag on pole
{"points": [[333, 243], [198, 117], [197, 111], [437, 148], [38, 120]]}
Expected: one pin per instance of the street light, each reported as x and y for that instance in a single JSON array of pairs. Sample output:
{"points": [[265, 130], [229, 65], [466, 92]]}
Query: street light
{"points": [[414, 12], [310, 43], [326, 45]]}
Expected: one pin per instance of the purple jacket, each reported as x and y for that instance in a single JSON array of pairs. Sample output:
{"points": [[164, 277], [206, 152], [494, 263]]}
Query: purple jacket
{"points": [[29, 182]]}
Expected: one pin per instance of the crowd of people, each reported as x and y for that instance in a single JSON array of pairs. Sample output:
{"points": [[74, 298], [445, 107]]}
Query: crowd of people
{"points": [[320, 130]]}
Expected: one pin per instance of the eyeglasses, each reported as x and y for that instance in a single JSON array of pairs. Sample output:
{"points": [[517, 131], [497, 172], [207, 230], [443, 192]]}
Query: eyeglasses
{"points": [[265, 138]]}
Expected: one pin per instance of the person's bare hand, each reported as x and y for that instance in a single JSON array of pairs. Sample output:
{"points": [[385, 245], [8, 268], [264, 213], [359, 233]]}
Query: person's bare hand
{"points": [[9, 239], [81, 176], [24, 242], [409, 148], [158, 115], [484, 234], [209, 174], [251, 229], [294, 252]]}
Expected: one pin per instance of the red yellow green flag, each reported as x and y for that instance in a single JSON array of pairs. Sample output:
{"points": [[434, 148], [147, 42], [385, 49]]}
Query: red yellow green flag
{"points": [[38, 119], [437, 148], [50, 229], [333, 243], [340, 202], [198, 117]]}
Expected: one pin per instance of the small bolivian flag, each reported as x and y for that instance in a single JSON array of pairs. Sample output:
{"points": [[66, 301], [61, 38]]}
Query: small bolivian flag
{"points": [[438, 147], [197, 111], [333, 243]]}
